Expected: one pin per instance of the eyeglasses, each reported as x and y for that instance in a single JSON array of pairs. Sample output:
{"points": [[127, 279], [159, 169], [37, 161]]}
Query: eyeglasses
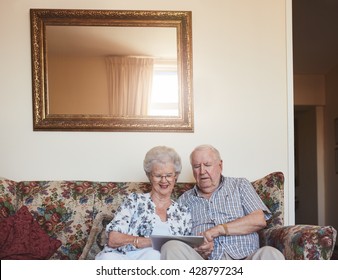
{"points": [[168, 177]]}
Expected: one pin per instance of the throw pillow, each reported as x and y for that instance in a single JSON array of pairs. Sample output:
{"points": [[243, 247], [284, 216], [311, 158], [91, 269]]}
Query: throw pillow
{"points": [[22, 238], [97, 237]]}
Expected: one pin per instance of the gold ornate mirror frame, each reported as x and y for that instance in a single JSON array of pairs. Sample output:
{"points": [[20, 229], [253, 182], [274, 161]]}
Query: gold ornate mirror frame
{"points": [[43, 119]]}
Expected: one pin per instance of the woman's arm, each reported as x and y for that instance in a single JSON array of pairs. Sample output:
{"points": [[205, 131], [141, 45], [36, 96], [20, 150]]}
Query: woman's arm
{"points": [[118, 239]]}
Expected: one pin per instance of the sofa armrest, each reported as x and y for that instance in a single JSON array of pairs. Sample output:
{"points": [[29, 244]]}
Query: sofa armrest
{"points": [[301, 242]]}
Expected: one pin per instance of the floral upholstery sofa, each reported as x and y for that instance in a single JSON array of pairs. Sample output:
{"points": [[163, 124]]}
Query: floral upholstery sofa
{"points": [[70, 217]]}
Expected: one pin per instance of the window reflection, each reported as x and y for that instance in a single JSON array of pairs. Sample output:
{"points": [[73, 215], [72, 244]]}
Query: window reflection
{"points": [[164, 97]]}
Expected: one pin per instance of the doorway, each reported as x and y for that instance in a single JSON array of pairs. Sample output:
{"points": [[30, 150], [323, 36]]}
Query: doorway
{"points": [[306, 191]]}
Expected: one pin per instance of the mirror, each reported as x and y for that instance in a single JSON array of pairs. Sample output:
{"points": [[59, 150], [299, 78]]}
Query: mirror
{"points": [[104, 70]]}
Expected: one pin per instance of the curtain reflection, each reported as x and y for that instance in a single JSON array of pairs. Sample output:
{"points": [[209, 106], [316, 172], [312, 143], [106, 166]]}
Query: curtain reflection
{"points": [[129, 85]]}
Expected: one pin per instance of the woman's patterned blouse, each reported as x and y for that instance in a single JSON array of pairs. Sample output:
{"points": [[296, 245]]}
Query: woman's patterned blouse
{"points": [[136, 216]]}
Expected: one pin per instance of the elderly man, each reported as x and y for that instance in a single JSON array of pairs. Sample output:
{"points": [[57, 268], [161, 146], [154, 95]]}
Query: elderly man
{"points": [[226, 211]]}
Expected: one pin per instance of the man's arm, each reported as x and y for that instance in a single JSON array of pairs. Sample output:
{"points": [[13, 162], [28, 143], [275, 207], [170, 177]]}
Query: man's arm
{"points": [[252, 222]]}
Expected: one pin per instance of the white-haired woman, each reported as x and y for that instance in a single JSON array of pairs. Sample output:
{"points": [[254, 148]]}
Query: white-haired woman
{"points": [[144, 214]]}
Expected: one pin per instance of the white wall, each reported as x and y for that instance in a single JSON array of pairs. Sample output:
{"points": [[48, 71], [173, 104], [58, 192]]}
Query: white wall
{"points": [[241, 86]]}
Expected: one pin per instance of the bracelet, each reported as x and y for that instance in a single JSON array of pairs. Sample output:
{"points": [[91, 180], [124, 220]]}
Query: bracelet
{"points": [[135, 242], [226, 231]]}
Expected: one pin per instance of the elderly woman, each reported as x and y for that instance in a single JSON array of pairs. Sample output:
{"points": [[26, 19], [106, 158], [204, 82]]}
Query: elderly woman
{"points": [[144, 214]]}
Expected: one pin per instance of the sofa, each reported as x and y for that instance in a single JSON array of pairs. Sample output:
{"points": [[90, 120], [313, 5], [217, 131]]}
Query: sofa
{"points": [[65, 220]]}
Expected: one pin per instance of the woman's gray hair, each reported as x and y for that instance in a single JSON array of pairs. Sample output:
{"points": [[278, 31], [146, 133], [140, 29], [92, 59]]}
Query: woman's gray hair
{"points": [[206, 147], [162, 154]]}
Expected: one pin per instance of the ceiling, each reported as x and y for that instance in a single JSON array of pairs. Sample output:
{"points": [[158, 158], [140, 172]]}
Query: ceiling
{"points": [[315, 36], [159, 42]]}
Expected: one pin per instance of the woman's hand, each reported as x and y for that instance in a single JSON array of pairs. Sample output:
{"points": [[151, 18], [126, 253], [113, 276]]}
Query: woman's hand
{"points": [[144, 242]]}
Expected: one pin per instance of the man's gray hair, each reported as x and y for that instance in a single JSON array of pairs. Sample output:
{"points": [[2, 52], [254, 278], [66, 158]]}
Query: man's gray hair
{"points": [[162, 154], [206, 147]]}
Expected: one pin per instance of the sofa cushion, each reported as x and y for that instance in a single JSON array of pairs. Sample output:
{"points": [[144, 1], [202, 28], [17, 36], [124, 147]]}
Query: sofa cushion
{"points": [[21, 237], [97, 237], [64, 209], [8, 198]]}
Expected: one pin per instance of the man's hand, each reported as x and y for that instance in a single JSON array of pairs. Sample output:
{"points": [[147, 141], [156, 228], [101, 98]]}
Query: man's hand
{"points": [[208, 246], [213, 232], [205, 249]]}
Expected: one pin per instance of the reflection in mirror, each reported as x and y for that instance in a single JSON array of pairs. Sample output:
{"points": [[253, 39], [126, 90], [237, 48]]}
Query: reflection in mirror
{"points": [[112, 70], [122, 71]]}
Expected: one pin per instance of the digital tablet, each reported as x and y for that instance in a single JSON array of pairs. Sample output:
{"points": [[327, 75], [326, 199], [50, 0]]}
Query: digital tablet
{"points": [[159, 240]]}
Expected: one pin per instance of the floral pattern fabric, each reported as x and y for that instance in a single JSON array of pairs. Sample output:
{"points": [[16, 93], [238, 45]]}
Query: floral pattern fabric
{"points": [[271, 191], [301, 242], [8, 198], [66, 211], [136, 216]]}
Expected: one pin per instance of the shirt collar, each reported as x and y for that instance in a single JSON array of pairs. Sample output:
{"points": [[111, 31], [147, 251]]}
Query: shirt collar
{"points": [[221, 184]]}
